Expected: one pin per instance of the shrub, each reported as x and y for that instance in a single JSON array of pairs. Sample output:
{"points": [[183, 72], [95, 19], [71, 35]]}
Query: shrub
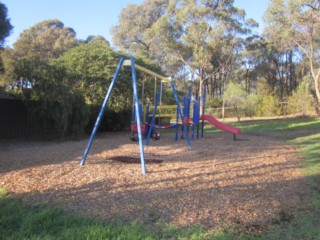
{"points": [[301, 101], [111, 120], [250, 105], [268, 106], [235, 96], [214, 103]]}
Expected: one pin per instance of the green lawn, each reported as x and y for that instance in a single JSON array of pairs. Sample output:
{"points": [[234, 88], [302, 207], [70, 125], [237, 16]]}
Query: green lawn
{"points": [[20, 221], [305, 134]]}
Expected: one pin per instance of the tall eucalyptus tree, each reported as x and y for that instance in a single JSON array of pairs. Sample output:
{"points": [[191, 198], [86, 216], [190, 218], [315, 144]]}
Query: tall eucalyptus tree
{"points": [[297, 23], [184, 33], [45, 40], [5, 25]]}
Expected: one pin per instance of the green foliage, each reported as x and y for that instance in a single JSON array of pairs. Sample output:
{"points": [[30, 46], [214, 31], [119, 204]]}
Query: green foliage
{"points": [[91, 67], [235, 96], [46, 40], [250, 105], [7, 76], [294, 24], [67, 117], [301, 101], [268, 106], [5, 24], [77, 116], [200, 36], [112, 120], [52, 102], [4, 192], [263, 87], [214, 103]]}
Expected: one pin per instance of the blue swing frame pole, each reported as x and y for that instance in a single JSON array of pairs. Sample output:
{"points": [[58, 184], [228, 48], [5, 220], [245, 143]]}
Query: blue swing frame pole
{"points": [[104, 104], [138, 117], [180, 112], [154, 113], [203, 107]]}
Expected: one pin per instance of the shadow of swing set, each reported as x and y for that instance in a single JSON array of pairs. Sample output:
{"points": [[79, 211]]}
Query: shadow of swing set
{"points": [[147, 130]]}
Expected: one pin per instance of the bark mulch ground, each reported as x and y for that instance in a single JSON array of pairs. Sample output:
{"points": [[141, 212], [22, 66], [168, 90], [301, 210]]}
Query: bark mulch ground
{"points": [[249, 183]]}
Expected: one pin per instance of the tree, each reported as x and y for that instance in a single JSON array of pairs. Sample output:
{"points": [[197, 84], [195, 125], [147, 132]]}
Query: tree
{"points": [[297, 22], [235, 96], [134, 21], [184, 34], [55, 103], [46, 40], [5, 30], [5, 25], [91, 67], [301, 101], [273, 62], [94, 38], [268, 104], [7, 75]]}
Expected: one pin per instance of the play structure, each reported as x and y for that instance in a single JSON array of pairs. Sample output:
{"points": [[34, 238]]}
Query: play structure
{"points": [[187, 118], [191, 118]]}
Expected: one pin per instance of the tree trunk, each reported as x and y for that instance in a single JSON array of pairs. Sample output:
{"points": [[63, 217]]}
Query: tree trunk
{"points": [[237, 112], [316, 79], [316, 85]]}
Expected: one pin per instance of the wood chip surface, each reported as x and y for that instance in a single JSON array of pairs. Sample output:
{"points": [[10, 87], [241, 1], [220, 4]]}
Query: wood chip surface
{"points": [[247, 182]]}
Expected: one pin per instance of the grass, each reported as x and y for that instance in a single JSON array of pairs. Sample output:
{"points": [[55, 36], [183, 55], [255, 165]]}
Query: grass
{"points": [[4, 192], [35, 222], [303, 133], [20, 221], [267, 126]]}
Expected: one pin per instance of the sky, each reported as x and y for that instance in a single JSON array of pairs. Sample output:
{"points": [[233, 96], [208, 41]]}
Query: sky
{"points": [[95, 17]]}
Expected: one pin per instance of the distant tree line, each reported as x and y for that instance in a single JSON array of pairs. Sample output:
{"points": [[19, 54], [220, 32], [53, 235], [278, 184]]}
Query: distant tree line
{"points": [[212, 43]]}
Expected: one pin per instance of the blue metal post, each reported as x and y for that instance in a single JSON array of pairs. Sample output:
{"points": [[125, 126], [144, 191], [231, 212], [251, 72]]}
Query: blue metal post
{"points": [[136, 105], [197, 102], [180, 112], [104, 104], [147, 117], [203, 107], [177, 127], [154, 113]]}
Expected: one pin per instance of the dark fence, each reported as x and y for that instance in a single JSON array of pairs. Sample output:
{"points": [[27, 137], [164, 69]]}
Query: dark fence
{"points": [[18, 122], [15, 120]]}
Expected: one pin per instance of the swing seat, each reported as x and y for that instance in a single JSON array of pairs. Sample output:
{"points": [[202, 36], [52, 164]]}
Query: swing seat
{"points": [[134, 127], [165, 127]]}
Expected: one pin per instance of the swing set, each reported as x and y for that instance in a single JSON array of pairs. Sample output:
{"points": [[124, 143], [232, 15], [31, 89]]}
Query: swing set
{"points": [[149, 129], [137, 110]]}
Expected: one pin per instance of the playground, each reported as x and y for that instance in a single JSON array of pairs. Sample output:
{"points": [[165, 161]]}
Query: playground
{"points": [[188, 178], [219, 182]]}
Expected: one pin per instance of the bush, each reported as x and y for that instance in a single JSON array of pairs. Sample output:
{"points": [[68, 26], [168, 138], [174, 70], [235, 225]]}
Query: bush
{"points": [[214, 103], [301, 101], [235, 96], [60, 119], [268, 106], [111, 121], [250, 105]]}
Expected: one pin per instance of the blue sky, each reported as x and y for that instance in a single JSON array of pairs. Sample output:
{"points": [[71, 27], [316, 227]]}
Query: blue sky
{"points": [[95, 17]]}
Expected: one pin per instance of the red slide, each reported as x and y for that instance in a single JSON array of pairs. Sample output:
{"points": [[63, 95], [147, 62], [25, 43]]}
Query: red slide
{"points": [[220, 125]]}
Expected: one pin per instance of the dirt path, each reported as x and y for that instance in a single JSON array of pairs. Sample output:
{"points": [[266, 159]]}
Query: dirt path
{"points": [[220, 181]]}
